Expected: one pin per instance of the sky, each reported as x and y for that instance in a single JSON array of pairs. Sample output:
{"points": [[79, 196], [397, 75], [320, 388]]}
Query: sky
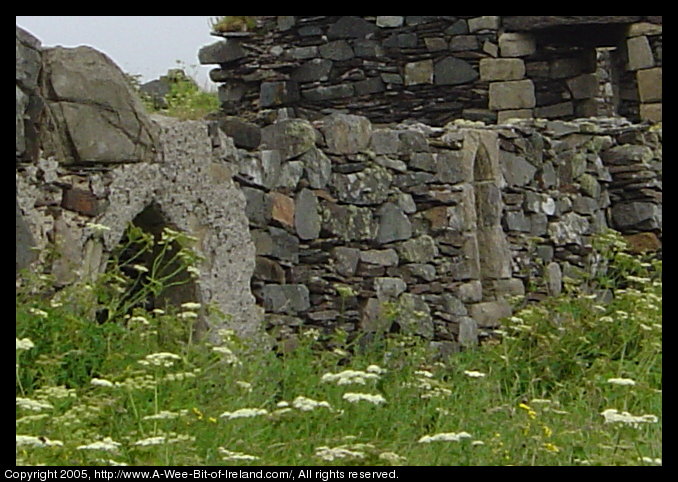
{"points": [[139, 45]]}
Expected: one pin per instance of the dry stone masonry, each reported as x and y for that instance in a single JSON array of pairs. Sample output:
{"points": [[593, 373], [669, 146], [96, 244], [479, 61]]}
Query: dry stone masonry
{"points": [[349, 183], [88, 153], [438, 68], [442, 225]]}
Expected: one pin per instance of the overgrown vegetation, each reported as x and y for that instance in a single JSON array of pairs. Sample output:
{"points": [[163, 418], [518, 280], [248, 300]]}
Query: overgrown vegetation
{"points": [[185, 99], [233, 24], [572, 381]]}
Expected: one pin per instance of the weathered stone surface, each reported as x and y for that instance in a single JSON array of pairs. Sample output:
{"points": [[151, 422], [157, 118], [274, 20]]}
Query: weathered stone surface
{"points": [[307, 219], [373, 317], [650, 85], [317, 167], [453, 71], [569, 230], [380, 257], [276, 94], [468, 332], [321, 94], [351, 27], [420, 72], [643, 216], [244, 134], [554, 279], [639, 53], [502, 69], [418, 250], [528, 23], [291, 137], [221, 52], [350, 223], [651, 112], [515, 94], [25, 255], [389, 288], [346, 134], [262, 169], [268, 270], [28, 61], [282, 208], [338, 50], [367, 187], [289, 299], [488, 314], [91, 103], [584, 86], [345, 260], [483, 23], [414, 315], [493, 253], [394, 225], [516, 45], [81, 201], [284, 247], [517, 171]]}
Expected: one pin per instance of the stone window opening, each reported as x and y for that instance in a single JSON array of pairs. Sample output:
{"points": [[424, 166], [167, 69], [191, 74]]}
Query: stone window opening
{"points": [[182, 288]]}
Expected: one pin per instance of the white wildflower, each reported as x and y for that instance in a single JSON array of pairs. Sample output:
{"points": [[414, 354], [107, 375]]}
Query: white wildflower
{"points": [[98, 228], [33, 405], [651, 461], [31, 441], [158, 311], [282, 404], [307, 404], [477, 443], [228, 356], [191, 306], [444, 437], [228, 455], [139, 319], [193, 270], [140, 268], [392, 458], [244, 413], [375, 369], [473, 374], [614, 416], [38, 312], [356, 397], [177, 377], [188, 315], [150, 441], [247, 386], [348, 377], [162, 359], [162, 415], [106, 444], [621, 381], [329, 454], [24, 344], [424, 373]]}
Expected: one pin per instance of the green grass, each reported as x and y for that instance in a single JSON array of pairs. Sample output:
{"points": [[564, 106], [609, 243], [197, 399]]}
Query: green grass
{"points": [[534, 397]]}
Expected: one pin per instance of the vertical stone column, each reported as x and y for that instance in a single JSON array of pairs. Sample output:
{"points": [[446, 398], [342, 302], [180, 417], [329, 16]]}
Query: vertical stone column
{"points": [[511, 94], [644, 58], [493, 254]]}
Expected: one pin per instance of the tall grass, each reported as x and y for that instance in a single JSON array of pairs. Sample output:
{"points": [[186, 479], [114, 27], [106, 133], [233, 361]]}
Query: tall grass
{"points": [[571, 381]]}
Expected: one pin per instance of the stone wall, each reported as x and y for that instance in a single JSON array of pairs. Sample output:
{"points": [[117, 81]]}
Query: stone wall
{"points": [[338, 222], [438, 68], [353, 222], [89, 154]]}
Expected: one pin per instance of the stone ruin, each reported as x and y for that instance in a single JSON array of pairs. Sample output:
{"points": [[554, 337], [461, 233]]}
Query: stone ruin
{"points": [[366, 204], [435, 69]]}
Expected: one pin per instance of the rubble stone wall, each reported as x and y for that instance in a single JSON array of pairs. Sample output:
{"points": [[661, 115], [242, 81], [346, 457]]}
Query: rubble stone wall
{"points": [[352, 221], [438, 68]]}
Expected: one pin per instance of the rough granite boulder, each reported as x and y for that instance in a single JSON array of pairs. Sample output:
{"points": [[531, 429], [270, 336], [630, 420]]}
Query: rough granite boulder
{"points": [[92, 104]]}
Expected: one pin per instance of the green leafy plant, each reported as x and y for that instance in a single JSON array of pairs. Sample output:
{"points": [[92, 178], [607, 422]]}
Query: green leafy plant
{"points": [[233, 24]]}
